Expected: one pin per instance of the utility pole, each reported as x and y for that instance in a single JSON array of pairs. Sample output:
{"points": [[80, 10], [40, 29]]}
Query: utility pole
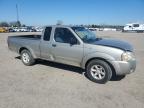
{"points": [[17, 12], [18, 21]]}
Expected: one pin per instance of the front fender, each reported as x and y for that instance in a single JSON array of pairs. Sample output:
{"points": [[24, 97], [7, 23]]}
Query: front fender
{"points": [[96, 55]]}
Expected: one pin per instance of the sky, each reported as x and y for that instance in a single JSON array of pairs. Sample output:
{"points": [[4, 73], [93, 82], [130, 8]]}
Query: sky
{"points": [[47, 12]]}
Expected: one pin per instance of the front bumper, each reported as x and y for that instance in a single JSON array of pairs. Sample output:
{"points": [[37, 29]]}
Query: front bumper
{"points": [[123, 67]]}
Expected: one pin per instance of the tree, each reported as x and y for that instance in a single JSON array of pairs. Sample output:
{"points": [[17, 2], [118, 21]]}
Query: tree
{"points": [[93, 26], [59, 22], [15, 24], [23, 25], [4, 24], [18, 23], [12, 24]]}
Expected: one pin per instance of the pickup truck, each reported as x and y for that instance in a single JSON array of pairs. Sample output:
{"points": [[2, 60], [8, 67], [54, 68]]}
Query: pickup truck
{"points": [[77, 46]]}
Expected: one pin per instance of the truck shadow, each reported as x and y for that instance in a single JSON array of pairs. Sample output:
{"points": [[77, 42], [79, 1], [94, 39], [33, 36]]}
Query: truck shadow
{"points": [[60, 66], [69, 68]]}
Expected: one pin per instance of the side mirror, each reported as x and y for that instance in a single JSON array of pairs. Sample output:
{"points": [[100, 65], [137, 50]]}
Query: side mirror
{"points": [[73, 41]]}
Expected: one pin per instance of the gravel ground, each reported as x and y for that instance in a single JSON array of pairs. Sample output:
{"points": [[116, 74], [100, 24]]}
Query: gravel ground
{"points": [[51, 85]]}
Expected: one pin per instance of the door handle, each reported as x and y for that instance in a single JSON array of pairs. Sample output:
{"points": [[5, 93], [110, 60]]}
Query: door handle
{"points": [[54, 45]]}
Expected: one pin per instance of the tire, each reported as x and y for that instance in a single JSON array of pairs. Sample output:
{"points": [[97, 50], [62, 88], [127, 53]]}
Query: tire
{"points": [[123, 30], [27, 58], [140, 31], [98, 71]]}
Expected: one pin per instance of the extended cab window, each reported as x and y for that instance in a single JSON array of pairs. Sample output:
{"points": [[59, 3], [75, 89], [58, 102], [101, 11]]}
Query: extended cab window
{"points": [[136, 25], [63, 35], [47, 33]]}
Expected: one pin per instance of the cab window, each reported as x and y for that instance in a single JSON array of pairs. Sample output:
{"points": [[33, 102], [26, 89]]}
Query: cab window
{"points": [[47, 33], [63, 35]]}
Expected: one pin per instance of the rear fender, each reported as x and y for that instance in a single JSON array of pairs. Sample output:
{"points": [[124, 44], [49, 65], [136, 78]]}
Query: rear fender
{"points": [[27, 48]]}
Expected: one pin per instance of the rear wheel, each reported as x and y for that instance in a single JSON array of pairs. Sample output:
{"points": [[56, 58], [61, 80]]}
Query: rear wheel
{"points": [[123, 30], [27, 58], [98, 71], [139, 31]]}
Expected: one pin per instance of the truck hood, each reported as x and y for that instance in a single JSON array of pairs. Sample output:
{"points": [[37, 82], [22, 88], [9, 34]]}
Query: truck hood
{"points": [[114, 43]]}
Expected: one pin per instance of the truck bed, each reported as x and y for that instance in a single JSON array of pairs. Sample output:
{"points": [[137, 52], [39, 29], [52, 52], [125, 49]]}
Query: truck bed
{"points": [[27, 41], [27, 36]]}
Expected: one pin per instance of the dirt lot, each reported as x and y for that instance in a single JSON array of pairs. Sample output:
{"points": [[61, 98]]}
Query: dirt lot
{"points": [[48, 85]]}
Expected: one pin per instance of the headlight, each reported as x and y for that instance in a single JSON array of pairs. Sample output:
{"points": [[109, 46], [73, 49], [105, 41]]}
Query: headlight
{"points": [[126, 56]]}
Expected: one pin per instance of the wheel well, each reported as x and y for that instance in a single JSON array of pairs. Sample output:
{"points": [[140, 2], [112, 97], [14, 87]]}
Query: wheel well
{"points": [[21, 49], [98, 58]]}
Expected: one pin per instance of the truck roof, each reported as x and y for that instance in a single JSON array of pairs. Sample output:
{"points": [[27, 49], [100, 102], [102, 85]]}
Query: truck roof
{"points": [[62, 26], [130, 24]]}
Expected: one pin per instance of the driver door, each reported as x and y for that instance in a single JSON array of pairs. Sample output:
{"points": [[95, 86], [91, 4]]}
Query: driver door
{"points": [[62, 51]]}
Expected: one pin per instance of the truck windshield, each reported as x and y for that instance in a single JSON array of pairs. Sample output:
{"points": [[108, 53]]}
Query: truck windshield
{"points": [[86, 35]]}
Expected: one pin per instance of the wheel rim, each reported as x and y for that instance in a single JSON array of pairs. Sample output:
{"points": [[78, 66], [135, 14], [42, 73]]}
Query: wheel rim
{"points": [[25, 58], [97, 72]]}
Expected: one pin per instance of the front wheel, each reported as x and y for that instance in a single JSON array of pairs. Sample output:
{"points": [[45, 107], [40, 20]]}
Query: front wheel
{"points": [[27, 58], [98, 71]]}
